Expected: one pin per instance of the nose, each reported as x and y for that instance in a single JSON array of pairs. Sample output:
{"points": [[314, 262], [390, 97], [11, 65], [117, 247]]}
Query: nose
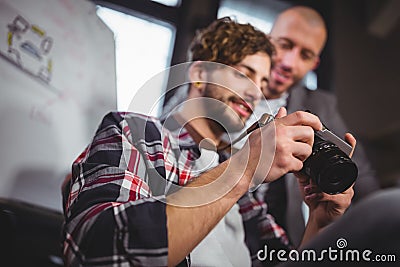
{"points": [[288, 59], [253, 94]]}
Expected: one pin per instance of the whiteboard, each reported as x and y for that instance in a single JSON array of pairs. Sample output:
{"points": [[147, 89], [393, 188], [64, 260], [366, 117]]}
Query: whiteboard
{"points": [[57, 80]]}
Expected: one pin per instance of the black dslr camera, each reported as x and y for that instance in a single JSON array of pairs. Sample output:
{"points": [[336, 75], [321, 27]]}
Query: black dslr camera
{"points": [[329, 164]]}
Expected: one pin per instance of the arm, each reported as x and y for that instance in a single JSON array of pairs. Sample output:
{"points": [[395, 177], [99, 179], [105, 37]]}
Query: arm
{"points": [[324, 209], [110, 214], [110, 195], [187, 226]]}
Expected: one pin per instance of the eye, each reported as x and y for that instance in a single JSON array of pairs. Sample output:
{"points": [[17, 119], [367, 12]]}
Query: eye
{"points": [[240, 74], [307, 55], [283, 44]]}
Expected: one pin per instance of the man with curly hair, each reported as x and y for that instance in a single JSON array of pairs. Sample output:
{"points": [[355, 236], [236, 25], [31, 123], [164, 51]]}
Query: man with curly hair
{"points": [[148, 192]]}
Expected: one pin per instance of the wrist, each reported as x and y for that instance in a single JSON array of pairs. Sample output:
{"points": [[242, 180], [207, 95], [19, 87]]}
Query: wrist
{"points": [[317, 221], [313, 227], [240, 177], [241, 166]]}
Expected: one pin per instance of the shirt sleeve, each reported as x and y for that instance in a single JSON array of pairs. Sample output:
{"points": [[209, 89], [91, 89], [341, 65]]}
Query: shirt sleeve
{"points": [[260, 227], [111, 215]]}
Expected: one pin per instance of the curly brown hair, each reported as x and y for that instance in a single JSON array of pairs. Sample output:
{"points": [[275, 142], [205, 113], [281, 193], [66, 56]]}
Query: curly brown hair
{"points": [[228, 42]]}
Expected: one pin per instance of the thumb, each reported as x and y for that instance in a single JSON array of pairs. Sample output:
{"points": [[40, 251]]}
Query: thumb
{"points": [[281, 113], [352, 141]]}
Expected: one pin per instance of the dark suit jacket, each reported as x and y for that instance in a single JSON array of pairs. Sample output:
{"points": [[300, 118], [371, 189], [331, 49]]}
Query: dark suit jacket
{"points": [[323, 104]]}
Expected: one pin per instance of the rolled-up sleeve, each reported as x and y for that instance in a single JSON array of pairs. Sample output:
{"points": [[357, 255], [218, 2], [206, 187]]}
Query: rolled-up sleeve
{"points": [[111, 214]]}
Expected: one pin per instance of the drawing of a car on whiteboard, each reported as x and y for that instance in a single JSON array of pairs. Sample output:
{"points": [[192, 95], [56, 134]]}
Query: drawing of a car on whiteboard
{"points": [[29, 47]]}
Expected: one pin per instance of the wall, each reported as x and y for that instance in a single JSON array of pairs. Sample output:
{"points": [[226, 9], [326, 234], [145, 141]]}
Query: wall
{"points": [[57, 73], [367, 79]]}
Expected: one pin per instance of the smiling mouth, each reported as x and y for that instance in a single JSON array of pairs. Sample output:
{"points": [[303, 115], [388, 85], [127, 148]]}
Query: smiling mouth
{"points": [[280, 77], [241, 107]]}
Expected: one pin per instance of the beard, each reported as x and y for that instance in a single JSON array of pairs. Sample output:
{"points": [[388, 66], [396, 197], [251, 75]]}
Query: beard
{"points": [[221, 116], [276, 88]]}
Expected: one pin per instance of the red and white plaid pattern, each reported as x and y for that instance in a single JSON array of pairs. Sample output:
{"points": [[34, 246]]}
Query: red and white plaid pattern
{"points": [[113, 212]]}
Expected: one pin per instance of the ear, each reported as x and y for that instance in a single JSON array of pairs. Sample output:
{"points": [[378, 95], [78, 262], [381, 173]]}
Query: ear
{"points": [[316, 64], [197, 76]]}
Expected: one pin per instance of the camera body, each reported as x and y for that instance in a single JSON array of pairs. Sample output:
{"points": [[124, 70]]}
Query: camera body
{"points": [[329, 164]]}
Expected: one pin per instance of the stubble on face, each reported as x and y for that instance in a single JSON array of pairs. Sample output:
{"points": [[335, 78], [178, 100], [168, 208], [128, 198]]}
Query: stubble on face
{"points": [[217, 104]]}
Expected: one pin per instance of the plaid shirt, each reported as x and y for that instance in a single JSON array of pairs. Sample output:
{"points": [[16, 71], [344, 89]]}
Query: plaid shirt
{"points": [[114, 204]]}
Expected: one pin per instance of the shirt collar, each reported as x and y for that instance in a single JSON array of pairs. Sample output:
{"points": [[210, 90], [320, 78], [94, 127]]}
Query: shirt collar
{"points": [[181, 134]]}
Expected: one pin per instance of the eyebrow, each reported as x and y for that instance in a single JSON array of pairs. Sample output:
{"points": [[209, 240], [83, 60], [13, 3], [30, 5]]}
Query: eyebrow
{"points": [[252, 70]]}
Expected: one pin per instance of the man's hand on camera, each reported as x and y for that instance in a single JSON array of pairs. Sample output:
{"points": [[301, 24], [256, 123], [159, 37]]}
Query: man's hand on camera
{"points": [[293, 135], [325, 208]]}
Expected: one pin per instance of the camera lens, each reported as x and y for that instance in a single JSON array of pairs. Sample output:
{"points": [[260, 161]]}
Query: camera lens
{"points": [[329, 167]]}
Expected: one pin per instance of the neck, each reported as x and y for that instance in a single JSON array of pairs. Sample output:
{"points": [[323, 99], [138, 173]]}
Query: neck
{"points": [[271, 94]]}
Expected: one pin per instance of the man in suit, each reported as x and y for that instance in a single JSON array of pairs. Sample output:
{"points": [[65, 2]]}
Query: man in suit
{"points": [[299, 35]]}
